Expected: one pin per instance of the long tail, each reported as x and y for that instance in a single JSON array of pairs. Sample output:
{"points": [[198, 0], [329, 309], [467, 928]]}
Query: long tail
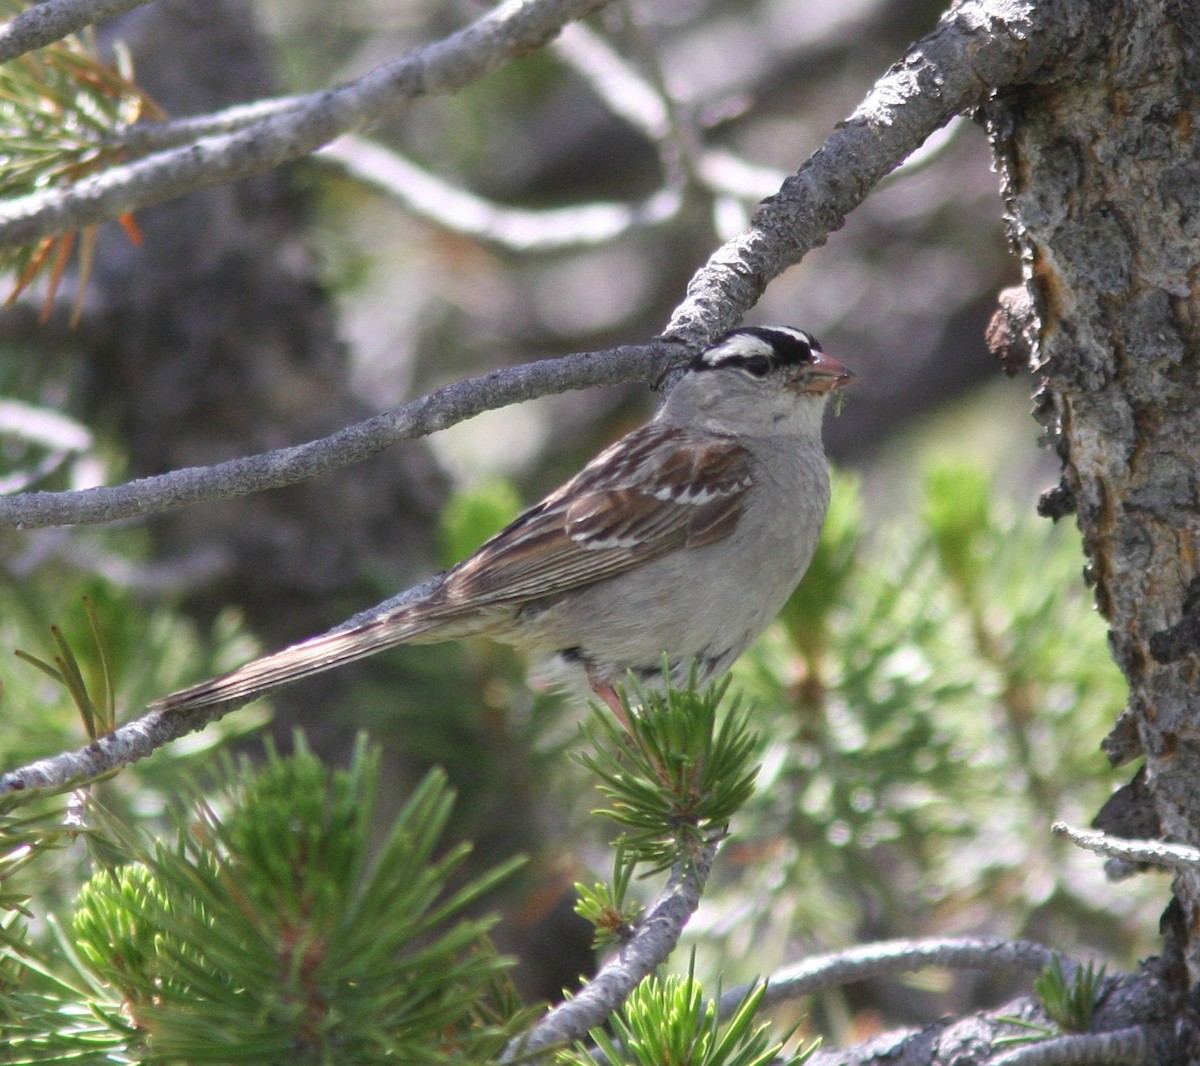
{"points": [[312, 656]]}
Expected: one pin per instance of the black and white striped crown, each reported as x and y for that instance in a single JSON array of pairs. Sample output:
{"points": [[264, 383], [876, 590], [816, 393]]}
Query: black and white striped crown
{"points": [[759, 349]]}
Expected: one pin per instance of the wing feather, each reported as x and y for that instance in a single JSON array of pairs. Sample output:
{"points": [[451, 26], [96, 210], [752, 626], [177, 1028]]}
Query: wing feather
{"points": [[656, 490]]}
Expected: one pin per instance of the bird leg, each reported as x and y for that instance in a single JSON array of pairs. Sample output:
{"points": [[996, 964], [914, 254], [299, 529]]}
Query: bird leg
{"points": [[609, 695]]}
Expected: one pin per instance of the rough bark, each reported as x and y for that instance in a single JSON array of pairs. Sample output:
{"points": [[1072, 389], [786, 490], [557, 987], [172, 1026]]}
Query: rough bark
{"points": [[1101, 173]]}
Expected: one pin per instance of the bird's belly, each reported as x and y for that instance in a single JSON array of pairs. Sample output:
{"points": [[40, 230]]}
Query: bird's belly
{"points": [[702, 606]]}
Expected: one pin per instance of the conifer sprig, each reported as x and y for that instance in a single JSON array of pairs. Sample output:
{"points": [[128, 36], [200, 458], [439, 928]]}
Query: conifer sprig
{"points": [[679, 774]]}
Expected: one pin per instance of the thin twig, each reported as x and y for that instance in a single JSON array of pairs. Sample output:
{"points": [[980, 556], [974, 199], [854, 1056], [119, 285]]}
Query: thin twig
{"points": [[132, 741], [624, 91], [891, 957], [142, 737], [52, 20], [1155, 852], [463, 212], [284, 466], [651, 945], [145, 137]]}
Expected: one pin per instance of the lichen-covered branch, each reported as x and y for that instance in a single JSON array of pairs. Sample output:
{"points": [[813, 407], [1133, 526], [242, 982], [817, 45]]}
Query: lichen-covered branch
{"points": [[650, 946], [511, 30], [893, 957], [52, 20], [284, 466]]}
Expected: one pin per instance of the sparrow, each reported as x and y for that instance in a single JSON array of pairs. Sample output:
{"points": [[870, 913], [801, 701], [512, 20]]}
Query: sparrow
{"points": [[678, 544]]}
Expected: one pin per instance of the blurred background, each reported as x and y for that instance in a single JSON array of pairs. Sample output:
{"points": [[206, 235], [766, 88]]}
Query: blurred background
{"points": [[932, 699]]}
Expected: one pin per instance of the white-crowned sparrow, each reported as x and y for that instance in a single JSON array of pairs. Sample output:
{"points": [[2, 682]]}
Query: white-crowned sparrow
{"points": [[683, 539]]}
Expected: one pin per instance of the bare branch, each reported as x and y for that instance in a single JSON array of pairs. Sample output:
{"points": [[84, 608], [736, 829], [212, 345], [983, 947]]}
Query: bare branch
{"points": [[52, 20], [145, 137], [1155, 852], [130, 742], [1122, 1047], [981, 45], [626, 93], [509, 31], [61, 436], [894, 957], [978, 47], [651, 945], [143, 736], [284, 466], [463, 212], [724, 172]]}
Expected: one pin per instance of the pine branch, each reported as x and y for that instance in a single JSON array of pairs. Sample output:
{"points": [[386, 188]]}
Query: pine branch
{"points": [[1155, 852], [133, 741], [511, 30], [428, 196], [1122, 1047], [652, 943], [52, 20], [285, 466], [977, 48], [143, 736], [892, 957]]}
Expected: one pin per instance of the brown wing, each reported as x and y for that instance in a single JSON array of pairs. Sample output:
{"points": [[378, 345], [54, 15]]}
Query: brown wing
{"points": [[655, 490]]}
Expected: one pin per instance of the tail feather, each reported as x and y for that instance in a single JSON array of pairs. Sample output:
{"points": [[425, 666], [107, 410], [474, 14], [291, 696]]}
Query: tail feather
{"points": [[312, 656]]}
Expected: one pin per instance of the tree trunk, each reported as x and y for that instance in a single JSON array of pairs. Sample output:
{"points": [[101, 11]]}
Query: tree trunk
{"points": [[1102, 179]]}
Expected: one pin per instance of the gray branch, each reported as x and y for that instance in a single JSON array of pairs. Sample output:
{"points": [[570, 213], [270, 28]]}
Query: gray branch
{"points": [[977, 48], [52, 20], [132, 741], [894, 957], [1155, 852], [509, 31], [1122, 1047], [651, 945], [520, 230], [285, 466]]}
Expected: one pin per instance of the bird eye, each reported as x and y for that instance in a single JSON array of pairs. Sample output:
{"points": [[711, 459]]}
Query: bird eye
{"points": [[758, 365]]}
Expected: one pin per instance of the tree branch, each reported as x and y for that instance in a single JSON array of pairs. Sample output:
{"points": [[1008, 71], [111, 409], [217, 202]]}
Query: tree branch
{"points": [[1155, 852], [143, 736], [284, 466], [430, 197], [893, 957], [1122, 1047], [52, 20], [511, 30], [977, 48], [650, 946], [132, 741]]}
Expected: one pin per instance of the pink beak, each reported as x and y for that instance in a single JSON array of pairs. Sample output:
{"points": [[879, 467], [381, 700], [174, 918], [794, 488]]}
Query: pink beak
{"points": [[824, 373]]}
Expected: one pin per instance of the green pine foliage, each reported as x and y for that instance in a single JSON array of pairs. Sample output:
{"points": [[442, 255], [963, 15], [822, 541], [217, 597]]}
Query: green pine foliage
{"points": [[1071, 1002], [271, 930], [667, 1021], [932, 696], [61, 109], [932, 701], [676, 778]]}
